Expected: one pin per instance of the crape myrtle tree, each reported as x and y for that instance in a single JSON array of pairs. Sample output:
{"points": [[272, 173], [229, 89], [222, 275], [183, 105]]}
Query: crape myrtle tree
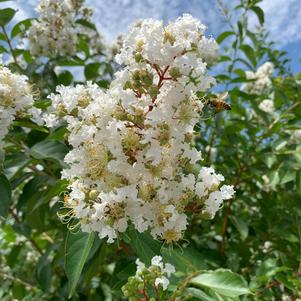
{"points": [[164, 167]]}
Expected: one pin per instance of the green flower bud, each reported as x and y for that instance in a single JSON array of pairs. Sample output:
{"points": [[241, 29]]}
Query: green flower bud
{"points": [[206, 215], [136, 75], [140, 286], [136, 84], [153, 91], [146, 77], [175, 72], [194, 47], [127, 85], [138, 57]]}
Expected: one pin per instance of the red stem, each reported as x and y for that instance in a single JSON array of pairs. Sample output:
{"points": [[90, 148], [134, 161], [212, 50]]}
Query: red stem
{"points": [[157, 293]]}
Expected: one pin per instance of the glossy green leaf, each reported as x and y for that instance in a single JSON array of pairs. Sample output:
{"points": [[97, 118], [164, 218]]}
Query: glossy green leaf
{"points": [[86, 23], [249, 52], [6, 15], [5, 195], [65, 78], [224, 35], [240, 226], [259, 12], [30, 124], [44, 273], [91, 70], [143, 245], [21, 27], [49, 149], [77, 250], [200, 295], [3, 49], [222, 281]]}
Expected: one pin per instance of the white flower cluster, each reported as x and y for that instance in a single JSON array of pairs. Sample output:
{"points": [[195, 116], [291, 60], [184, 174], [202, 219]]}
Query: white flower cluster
{"points": [[54, 32], [262, 83], [15, 97], [165, 270], [267, 106], [133, 150], [154, 276]]}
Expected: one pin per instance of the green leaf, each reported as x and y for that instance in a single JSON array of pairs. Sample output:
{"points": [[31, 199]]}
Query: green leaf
{"points": [[75, 61], [143, 245], [103, 83], [77, 250], [240, 29], [65, 78], [20, 27], [3, 49], [249, 52], [91, 70], [30, 124], [224, 35], [298, 181], [5, 195], [6, 15], [82, 46], [32, 192], [241, 227], [223, 282], [49, 149], [198, 294], [44, 273], [186, 260], [14, 164], [86, 23], [259, 12]]}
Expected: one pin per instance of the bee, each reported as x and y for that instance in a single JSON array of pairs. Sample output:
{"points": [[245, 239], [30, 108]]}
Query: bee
{"points": [[218, 104]]}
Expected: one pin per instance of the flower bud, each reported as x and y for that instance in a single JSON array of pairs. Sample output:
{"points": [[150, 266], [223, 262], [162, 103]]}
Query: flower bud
{"points": [[175, 72], [153, 91]]}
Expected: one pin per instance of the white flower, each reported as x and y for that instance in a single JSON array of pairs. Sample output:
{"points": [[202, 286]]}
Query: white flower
{"points": [[157, 261], [262, 83], [132, 146], [55, 32], [15, 98], [169, 269], [267, 106], [140, 266], [163, 281]]}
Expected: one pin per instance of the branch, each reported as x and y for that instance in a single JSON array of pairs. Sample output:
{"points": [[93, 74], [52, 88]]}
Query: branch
{"points": [[31, 240], [15, 279], [11, 48]]}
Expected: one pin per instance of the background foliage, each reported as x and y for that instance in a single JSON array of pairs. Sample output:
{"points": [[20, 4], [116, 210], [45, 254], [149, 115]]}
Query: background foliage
{"points": [[252, 249]]}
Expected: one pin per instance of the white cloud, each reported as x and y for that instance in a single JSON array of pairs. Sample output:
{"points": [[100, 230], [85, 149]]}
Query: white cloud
{"points": [[283, 17], [283, 20], [115, 17]]}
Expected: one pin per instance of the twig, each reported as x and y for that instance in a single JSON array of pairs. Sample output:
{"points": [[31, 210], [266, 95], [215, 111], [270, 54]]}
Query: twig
{"points": [[31, 240], [157, 293], [278, 119], [227, 215], [15, 279], [299, 234], [11, 48]]}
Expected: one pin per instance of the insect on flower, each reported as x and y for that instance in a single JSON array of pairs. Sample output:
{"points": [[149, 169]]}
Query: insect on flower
{"points": [[218, 104]]}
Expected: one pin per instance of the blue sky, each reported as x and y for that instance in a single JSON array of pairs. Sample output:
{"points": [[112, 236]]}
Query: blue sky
{"points": [[283, 17]]}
